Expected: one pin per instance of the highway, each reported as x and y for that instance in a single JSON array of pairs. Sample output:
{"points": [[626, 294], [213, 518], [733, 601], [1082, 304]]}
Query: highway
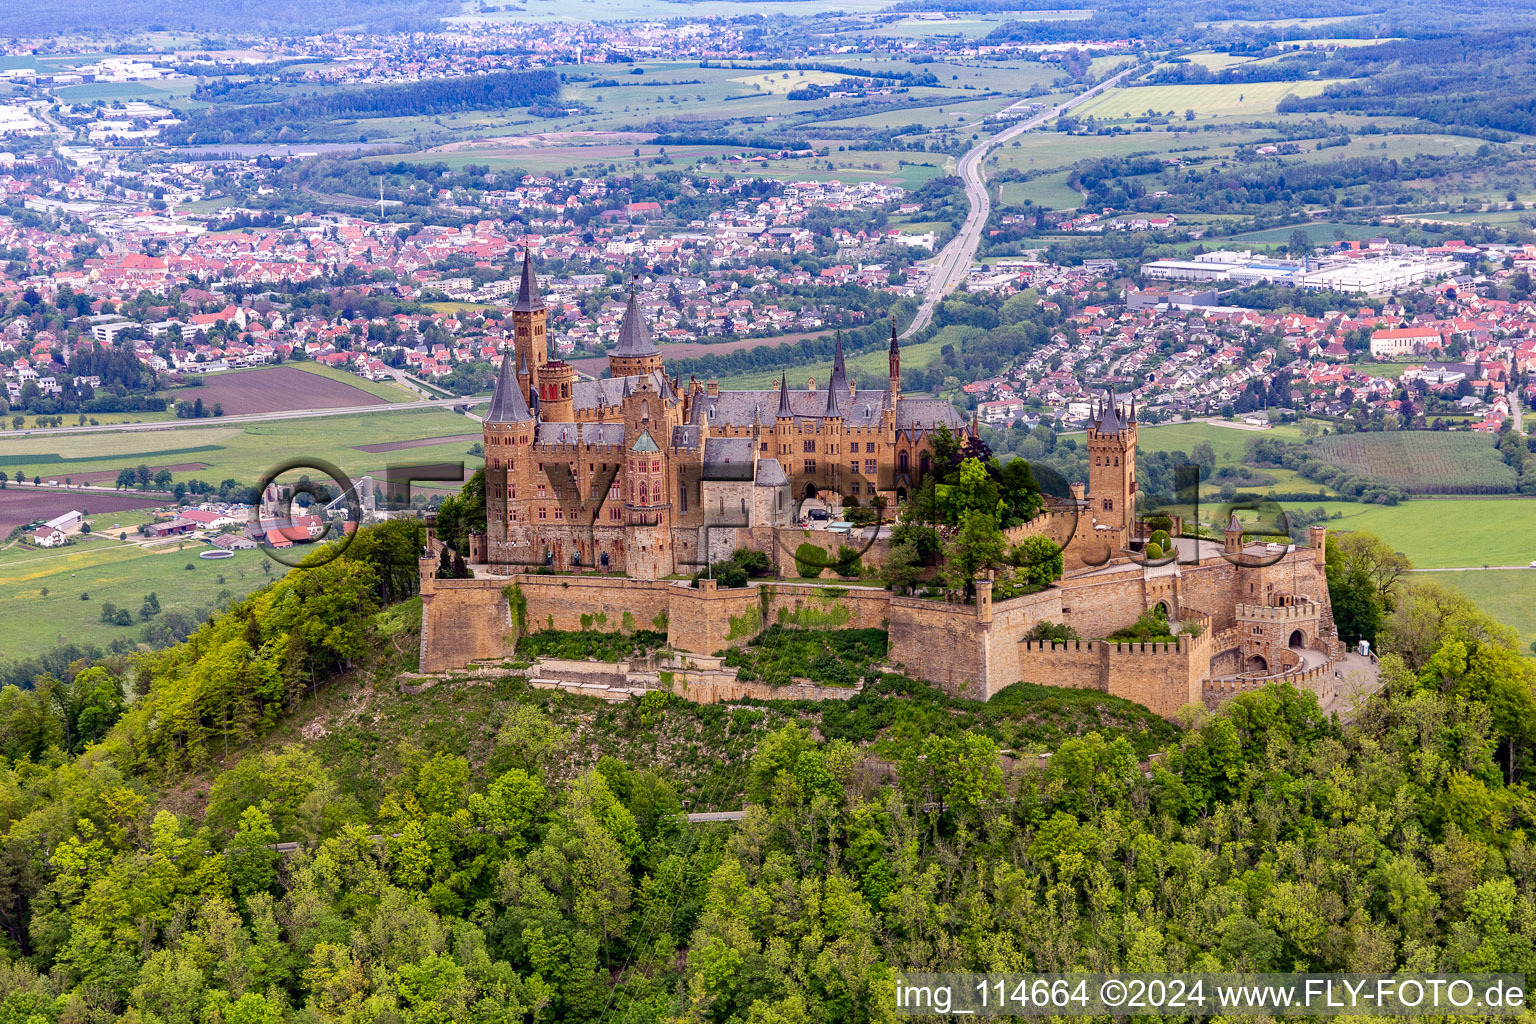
{"points": [[954, 260]]}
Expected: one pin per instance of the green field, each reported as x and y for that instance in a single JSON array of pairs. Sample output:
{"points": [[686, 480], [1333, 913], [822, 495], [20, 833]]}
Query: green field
{"points": [[1318, 232], [1247, 99], [1229, 443], [380, 388], [1048, 190], [1509, 595], [245, 451], [106, 570], [1441, 533], [1422, 461]]}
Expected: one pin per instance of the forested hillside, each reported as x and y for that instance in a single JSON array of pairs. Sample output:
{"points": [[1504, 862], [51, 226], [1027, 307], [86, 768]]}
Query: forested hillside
{"points": [[477, 853], [265, 121]]}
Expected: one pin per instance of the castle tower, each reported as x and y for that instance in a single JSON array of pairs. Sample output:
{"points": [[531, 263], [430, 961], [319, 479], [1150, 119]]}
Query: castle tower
{"points": [[1317, 538], [635, 354], [557, 382], [1232, 536], [1112, 465], [895, 360], [508, 434], [647, 511], [529, 319]]}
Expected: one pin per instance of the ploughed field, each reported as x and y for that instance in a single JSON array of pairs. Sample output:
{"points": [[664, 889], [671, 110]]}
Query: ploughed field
{"points": [[273, 389]]}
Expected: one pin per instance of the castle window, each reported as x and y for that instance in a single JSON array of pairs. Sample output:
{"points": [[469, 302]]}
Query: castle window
{"points": [[901, 460], [643, 494], [559, 512], [613, 513], [855, 488], [810, 465], [682, 497], [1109, 504], [853, 467], [869, 466], [541, 512], [922, 463], [765, 448], [1117, 460], [810, 446]]}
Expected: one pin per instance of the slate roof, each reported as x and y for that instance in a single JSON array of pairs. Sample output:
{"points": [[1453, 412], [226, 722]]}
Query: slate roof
{"points": [[770, 473], [507, 403], [528, 297], [728, 458], [634, 336]]}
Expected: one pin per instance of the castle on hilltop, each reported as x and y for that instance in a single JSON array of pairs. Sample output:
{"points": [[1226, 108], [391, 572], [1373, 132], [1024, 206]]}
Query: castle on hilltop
{"points": [[651, 476], [604, 496]]}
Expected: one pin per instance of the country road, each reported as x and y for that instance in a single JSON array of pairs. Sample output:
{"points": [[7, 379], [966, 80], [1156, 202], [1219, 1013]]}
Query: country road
{"points": [[954, 260], [250, 417]]}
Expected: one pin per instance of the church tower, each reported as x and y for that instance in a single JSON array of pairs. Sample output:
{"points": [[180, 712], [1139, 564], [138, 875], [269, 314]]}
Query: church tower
{"points": [[529, 319], [1112, 465], [895, 360]]}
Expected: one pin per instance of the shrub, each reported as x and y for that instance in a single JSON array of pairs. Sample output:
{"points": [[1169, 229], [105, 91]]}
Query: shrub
{"points": [[810, 560], [848, 561], [1154, 551]]}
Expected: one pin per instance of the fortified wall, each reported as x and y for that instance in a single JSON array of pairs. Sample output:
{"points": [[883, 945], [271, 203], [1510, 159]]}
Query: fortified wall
{"points": [[968, 649]]}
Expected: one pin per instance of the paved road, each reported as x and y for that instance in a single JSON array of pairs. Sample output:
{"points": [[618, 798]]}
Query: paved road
{"points": [[250, 417], [954, 260]]}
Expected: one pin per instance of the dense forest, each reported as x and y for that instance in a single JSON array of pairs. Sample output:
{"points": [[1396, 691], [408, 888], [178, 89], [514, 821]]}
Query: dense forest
{"points": [[267, 121]]}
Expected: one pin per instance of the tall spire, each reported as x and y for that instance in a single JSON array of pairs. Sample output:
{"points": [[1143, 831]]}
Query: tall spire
{"points": [[784, 409], [833, 390], [528, 297], [507, 403], [839, 380], [634, 336], [895, 360]]}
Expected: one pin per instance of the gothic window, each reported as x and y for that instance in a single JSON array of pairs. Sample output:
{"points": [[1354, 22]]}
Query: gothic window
{"points": [[645, 410], [901, 460], [922, 463], [1117, 460], [643, 494], [1109, 504], [810, 446]]}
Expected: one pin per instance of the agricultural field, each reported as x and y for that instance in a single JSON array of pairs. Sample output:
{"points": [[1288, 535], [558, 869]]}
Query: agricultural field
{"points": [[1318, 232], [1444, 533], [245, 451], [1421, 461], [1230, 443], [40, 590], [21, 505], [1248, 99], [274, 389]]}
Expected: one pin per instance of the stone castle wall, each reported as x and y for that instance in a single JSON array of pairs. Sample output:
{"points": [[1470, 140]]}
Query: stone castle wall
{"points": [[971, 650]]}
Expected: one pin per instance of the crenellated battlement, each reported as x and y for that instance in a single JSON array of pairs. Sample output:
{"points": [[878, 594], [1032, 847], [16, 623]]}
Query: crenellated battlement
{"points": [[1266, 613]]}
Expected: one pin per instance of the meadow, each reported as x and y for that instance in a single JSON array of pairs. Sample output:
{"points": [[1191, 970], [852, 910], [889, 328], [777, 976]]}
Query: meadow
{"points": [[1248, 99], [1444, 533], [40, 590], [867, 369], [1048, 190], [1509, 595]]}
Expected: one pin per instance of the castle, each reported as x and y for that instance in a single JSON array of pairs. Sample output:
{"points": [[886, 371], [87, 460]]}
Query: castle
{"points": [[644, 475], [602, 496]]}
